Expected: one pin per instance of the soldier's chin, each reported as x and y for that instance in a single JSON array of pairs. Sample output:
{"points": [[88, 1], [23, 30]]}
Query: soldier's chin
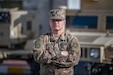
{"points": [[56, 29]]}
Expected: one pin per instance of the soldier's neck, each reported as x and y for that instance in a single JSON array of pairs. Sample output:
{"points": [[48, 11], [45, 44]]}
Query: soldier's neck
{"points": [[58, 33]]}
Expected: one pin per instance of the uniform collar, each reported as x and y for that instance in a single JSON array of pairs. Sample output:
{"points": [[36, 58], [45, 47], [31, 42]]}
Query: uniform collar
{"points": [[61, 37]]}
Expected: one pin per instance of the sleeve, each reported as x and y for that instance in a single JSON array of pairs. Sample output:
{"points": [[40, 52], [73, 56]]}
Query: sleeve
{"points": [[41, 55], [73, 57]]}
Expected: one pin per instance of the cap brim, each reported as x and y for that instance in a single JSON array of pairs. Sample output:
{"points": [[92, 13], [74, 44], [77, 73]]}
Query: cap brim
{"points": [[57, 18]]}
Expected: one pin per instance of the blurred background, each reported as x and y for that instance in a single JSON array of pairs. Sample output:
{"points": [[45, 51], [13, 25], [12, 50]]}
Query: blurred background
{"points": [[22, 21]]}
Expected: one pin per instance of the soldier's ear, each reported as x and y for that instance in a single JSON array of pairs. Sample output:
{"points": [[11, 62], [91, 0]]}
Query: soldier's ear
{"points": [[64, 21]]}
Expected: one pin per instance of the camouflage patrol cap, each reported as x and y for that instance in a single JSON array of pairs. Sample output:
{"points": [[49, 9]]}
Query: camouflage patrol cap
{"points": [[57, 14]]}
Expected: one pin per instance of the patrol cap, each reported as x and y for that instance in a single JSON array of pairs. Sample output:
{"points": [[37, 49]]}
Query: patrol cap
{"points": [[57, 14]]}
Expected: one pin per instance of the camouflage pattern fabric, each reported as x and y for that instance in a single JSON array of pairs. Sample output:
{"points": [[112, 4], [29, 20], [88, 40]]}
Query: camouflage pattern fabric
{"points": [[47, 51], [57, 14]]}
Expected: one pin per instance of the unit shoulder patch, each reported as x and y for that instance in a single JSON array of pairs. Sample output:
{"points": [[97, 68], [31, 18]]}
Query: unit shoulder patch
{"points": [[75, 44], [38, 44]]}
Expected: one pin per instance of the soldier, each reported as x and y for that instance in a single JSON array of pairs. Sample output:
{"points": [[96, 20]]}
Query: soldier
{"points": [[57, 52]]}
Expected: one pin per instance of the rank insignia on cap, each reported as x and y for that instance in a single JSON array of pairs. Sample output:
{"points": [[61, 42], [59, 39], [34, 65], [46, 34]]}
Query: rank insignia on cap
{"points": [[57, 14]]}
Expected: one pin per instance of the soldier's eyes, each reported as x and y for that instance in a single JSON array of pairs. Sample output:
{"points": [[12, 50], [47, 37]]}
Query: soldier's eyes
{"points": [[56, 20]]}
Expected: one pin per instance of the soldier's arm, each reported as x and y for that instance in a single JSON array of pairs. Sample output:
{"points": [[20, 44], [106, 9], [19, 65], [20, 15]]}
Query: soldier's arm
{"points": [[41, 55], [73, 55], [74, 52]]}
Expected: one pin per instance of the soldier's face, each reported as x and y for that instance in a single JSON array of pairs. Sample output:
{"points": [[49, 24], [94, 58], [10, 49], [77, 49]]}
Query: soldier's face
{"points": [[57, 24]]}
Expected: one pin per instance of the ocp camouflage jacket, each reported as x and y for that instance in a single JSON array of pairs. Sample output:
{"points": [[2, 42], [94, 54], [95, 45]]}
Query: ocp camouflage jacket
{"points": [[47, 51]]}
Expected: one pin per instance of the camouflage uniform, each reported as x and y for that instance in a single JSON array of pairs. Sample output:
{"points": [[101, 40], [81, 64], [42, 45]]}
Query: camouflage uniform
{"points": [[47, 51]]}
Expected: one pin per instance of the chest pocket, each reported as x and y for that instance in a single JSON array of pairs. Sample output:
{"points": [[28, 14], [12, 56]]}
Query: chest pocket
{"points": [[49, 46], [63, 46], [60, 45]]}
